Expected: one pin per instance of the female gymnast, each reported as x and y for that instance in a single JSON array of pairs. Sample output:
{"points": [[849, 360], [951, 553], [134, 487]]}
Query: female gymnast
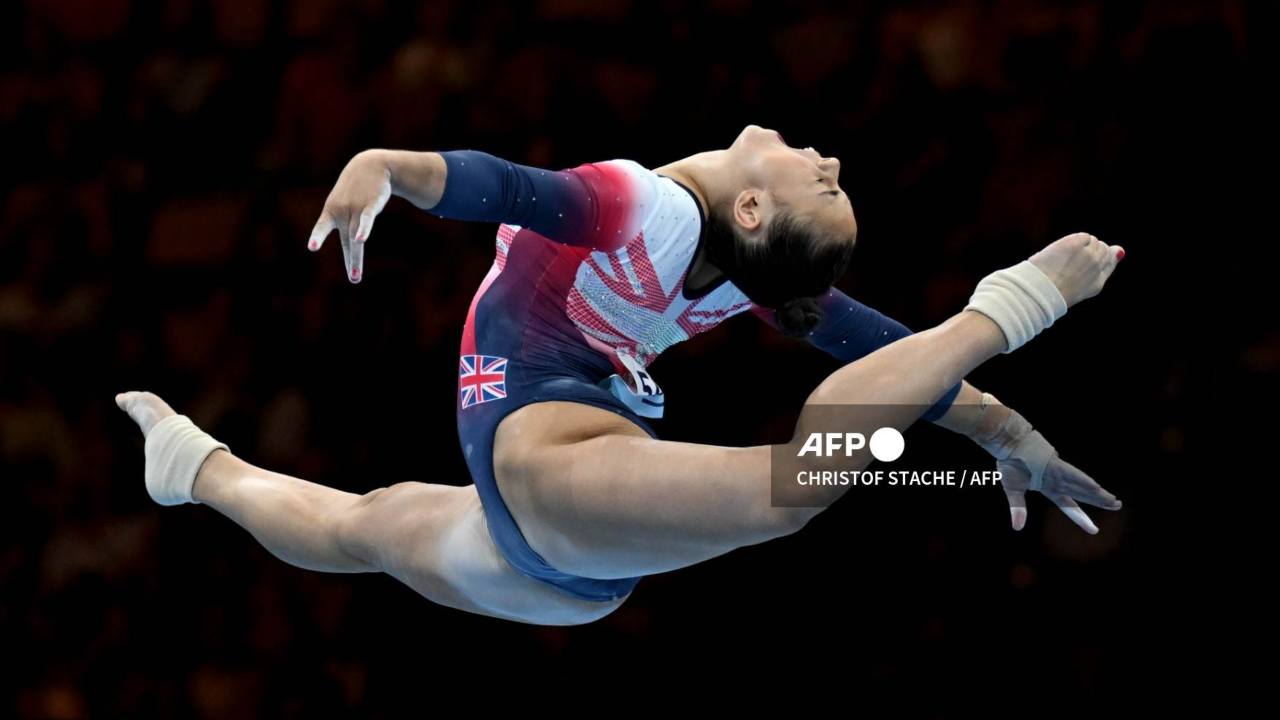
{"points": [[599, 268]]}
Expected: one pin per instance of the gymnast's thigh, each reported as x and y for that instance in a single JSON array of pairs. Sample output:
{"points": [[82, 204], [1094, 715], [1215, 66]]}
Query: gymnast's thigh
{"points": [[596, 495], [436, 540]]}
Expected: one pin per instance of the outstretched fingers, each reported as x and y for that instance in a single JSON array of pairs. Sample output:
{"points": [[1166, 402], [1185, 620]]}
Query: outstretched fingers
{"points": [[1074, 511], [324, 226], [365, 225], [1064, 478], [354, 247], [352, 235], [362, 190], [361, 229], [352, 252], [1017, 508], [1063, 483], [349, 258]]}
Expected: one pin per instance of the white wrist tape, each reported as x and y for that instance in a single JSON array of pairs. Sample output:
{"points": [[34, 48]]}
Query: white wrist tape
{"points": [[1022, 300], [1017, 440], [175, 450]]}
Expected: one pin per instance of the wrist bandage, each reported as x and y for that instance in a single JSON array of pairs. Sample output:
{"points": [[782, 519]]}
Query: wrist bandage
{"points": [[1016, 440], [175, 450], [1021, 300]]}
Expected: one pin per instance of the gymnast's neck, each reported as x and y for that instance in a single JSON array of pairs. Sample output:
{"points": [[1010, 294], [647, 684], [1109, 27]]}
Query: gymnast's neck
{"points": [[712, 176]]}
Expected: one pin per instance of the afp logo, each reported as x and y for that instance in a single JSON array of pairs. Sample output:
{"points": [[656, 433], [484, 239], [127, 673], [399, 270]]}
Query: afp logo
{"points": [[887, 444]]}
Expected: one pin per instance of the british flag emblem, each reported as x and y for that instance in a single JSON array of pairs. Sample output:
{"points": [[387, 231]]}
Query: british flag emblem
{"points": [[481, 378]]}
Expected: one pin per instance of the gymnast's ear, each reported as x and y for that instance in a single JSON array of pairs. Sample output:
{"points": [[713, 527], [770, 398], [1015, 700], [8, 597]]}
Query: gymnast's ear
{"points": [[749, 209]]}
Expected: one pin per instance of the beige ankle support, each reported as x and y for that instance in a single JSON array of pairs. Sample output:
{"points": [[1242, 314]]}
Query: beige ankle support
{"points": [[1021, 300], [175, 449]]}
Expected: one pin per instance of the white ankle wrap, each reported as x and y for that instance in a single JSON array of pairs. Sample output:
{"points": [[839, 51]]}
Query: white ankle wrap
{"points": [[1022, 300], [175, 450]]}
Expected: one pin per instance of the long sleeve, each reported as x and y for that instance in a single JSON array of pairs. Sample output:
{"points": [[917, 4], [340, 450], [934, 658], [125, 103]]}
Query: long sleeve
{"points": [[850, 330], [584, 206]]}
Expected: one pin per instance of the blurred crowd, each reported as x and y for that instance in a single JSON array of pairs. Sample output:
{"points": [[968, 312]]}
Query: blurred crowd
{"points": [[164, 162]]}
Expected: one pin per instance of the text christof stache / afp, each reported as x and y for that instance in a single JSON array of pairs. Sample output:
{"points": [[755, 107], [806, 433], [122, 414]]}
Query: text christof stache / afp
{"points": [[901, 478]]}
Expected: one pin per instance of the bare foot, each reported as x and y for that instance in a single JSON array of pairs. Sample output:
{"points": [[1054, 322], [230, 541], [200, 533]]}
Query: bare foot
{"points": [[1078, 264]]}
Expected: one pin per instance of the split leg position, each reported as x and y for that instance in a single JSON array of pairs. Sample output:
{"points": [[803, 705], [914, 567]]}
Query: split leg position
{"points": [[596, 496], [434, 538]]}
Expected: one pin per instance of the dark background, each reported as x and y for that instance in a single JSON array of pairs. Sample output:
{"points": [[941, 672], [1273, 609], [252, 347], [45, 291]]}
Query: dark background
{"points": [[163, 165]]}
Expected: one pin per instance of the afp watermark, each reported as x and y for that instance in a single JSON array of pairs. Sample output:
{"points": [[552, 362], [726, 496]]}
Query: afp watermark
{"points": [[900, 478], [837, 448], [887, 444]]}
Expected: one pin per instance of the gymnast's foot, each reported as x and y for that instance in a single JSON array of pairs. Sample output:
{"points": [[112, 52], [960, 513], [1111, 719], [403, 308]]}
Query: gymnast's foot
{"points": [[1025, 299], [144, 408], [1078, 264], [175, 448]]}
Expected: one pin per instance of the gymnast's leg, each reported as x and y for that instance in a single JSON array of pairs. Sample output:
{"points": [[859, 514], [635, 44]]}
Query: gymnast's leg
{"points": [[595, 496], [433, 538]]}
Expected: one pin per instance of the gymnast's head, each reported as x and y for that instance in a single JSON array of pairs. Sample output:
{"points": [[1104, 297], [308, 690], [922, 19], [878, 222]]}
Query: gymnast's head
{"points": [[784, 230]]}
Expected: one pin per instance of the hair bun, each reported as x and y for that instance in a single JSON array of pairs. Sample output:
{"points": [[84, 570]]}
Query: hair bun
{"points": [[798, 317]]}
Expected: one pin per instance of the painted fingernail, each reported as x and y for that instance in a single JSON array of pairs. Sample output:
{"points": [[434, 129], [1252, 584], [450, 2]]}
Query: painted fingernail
{"points": [[312, 245], [355, 274], [1120, 254]]}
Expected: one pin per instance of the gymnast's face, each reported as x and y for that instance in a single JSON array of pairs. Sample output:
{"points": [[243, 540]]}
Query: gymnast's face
{"points": [[799, 180]]}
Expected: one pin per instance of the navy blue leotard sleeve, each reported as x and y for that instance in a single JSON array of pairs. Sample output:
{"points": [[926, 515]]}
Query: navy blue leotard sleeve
{"points": [[850, 330], [562, 205]]}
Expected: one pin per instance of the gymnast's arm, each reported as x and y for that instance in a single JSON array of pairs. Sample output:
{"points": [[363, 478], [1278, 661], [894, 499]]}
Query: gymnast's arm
{"points": [[562, 205], [850, 330], [479, 187]]}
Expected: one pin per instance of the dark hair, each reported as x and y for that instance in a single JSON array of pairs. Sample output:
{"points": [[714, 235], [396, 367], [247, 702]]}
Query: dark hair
{"points": [[786, 272]]}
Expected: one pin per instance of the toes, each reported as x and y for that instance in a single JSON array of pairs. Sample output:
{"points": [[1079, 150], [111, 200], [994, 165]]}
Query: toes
{"points": [[126, 400], [144, 408]]}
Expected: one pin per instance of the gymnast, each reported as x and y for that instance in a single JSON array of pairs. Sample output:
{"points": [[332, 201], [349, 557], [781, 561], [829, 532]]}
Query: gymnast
{"points": [[598, 269]]}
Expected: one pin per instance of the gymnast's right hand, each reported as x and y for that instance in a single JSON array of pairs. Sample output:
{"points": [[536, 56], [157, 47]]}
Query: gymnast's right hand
{"points": [[361, 192], [1079, 265]]}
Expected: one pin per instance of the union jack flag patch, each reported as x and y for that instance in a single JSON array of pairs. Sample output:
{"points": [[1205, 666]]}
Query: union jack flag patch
{"points": [[481, 378]]}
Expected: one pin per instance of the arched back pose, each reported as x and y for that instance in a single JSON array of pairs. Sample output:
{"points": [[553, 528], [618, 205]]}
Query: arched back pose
{"points": [[598, 269]]}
